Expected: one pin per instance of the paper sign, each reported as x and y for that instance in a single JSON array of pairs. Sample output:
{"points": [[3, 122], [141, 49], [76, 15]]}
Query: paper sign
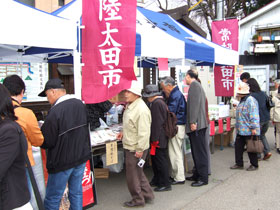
{"points": [[111, 153], [163, 64]]}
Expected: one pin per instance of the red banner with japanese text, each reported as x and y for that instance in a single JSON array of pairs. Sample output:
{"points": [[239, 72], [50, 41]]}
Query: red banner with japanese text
{"points": [[224, 80], [225, 33], [88, 184], [108, 48]]}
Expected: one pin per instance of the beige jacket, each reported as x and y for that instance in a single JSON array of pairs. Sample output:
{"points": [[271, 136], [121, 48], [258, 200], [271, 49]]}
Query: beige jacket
{"points": [[275, 111], [136, 126]]}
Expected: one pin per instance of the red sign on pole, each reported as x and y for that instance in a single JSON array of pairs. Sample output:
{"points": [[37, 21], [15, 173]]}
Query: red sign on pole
{"points": [[108, 48], [224, 80], [225, 33], [87, 183]]}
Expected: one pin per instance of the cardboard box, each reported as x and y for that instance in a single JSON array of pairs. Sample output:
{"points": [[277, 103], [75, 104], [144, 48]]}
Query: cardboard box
{"points": [[228, 137], [101, 173]]}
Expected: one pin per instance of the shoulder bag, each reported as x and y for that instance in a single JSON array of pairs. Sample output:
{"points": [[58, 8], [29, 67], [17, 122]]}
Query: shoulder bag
{"points": [[254, 144]]}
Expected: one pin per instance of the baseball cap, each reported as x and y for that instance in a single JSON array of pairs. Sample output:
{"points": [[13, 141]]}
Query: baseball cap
{"points": [[52, 84]]}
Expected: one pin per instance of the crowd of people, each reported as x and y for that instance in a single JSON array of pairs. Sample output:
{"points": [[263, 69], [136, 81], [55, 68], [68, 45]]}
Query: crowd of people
{"points": [[65, 136]]}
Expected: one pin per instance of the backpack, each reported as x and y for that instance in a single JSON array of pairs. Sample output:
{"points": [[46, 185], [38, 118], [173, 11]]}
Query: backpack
{"points": [[170, 126]]}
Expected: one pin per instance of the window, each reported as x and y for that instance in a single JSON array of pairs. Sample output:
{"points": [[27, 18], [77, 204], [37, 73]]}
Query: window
{"points": [[28, 2], [61, 3], [264, 33]]}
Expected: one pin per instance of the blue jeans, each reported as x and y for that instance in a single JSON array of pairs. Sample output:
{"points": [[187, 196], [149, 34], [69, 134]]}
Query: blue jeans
{"points": [[264, 127], [56, 187]]}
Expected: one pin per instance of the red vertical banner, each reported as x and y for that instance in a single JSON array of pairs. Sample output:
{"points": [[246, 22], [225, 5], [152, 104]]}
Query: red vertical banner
{"points": [[89, 198], [224, 80], [228, 123], [212, 128], [163, 64], [221, 126], [225, 33], [108, 48]]}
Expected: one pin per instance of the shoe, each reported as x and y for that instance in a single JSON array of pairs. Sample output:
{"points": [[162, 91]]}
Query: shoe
{"points": [[162, 189], [236, 167], [252, 168], [191, 178], [131, 204], [278, 150], [153, 184], [177, 182], [267, 156], [198, 183]]}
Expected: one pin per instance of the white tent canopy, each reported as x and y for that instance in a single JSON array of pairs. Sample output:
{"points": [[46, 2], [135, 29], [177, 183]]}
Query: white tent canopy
{"points": [[155, 42], [23, 25]]}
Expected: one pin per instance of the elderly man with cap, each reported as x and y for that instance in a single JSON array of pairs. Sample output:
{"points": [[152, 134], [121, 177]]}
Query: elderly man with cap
{"points": [[158, 139], [177, 104], [135, 138], [67, 143]]}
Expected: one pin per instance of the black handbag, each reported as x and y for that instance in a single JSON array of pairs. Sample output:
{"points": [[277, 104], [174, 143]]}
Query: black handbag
{"points": [[254, 144], [269, 103]]}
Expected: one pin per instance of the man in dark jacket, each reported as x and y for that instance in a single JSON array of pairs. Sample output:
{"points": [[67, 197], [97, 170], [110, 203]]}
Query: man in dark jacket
{"points": [[177, 104], [196, 128], [158, 139], [67, 143]]}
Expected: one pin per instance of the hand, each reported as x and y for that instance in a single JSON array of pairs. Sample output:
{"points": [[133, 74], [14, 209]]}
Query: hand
{"points": [[254, 132], [193, 126], [120, 136], [138, 154]]}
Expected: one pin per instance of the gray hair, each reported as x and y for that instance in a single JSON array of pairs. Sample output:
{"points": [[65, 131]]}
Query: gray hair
{"points": [[277, 81], [167, 81]]}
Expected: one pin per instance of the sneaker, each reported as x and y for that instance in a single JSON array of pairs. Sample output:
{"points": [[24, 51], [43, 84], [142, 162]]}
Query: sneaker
{"points": [[267, 156]]}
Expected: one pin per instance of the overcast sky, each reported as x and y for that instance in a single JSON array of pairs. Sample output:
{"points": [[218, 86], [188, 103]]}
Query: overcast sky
{"points": [[153, 4]]}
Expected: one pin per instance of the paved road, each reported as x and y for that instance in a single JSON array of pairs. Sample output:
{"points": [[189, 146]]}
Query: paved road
{"points": [[227, 189]]}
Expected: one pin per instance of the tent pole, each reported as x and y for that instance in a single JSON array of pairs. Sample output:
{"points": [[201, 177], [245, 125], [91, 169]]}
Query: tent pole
{"points": [[77, 74]]}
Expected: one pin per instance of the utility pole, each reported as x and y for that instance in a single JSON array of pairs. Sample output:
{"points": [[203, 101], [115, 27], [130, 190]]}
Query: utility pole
{"points": [[220, 16], [278, 61], [220, 10]]}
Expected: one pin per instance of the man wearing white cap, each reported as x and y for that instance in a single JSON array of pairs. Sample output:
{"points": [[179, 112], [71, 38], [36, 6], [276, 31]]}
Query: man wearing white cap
{"points": [[135, 138]]}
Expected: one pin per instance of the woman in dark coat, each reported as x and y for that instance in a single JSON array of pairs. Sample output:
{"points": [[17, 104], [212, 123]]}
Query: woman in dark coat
{"points": [[261, 97], [158, 139], [14, 191]]}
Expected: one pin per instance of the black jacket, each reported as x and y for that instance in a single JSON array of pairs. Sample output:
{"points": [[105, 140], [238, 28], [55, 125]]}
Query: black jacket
{"points": [[13, 183], [159, 116], [261, 97], [66, 135]]}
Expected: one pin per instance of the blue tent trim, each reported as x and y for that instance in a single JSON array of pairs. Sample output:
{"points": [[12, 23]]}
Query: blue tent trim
{"points": [[42, 50], [193, 50], [138, 45]]}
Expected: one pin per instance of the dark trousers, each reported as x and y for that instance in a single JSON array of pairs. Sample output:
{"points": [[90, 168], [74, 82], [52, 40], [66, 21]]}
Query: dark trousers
{"points": [[199, 153], [160, 167], [137, 183], [240, 143]]}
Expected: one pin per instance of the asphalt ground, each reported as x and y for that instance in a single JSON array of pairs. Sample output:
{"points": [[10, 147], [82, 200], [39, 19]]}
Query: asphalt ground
{"points": [[227, 189]]}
